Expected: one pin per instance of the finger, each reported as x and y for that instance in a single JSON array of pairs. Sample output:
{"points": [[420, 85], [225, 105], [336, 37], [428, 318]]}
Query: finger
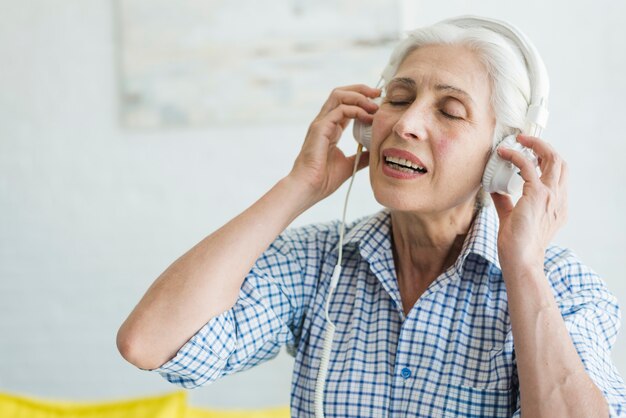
{"points": [[360, 91], [364, 89], [344, 124], [550, 162], [337, 131], [341, 96], [331, 126], [526, 167], [344, 112], [503, 204]]}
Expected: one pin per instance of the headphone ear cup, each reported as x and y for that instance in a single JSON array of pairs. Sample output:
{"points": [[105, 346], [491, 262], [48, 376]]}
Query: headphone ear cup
{"points": [[500, 176], [362, 133]]}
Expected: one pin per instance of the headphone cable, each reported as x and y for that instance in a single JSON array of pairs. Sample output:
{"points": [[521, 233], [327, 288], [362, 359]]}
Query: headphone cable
{"points": [[330, 327]]}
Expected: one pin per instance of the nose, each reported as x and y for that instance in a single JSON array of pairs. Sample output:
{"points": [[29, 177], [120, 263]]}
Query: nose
{"points": [[412, 123]]}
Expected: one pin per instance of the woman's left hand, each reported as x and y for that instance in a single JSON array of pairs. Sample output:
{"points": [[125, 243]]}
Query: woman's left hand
{"points": [[527, 227]]}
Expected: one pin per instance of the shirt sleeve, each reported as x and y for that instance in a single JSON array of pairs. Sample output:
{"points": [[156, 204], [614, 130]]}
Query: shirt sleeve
{"points": [[593, 318], [268, 313]]}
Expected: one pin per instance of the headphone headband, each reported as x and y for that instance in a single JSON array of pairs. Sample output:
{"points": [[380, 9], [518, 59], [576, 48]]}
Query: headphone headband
{"points": [[537, 114]]}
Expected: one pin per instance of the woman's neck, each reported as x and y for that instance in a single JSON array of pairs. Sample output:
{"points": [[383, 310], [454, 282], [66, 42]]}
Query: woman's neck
{"points": [[425, 245]]}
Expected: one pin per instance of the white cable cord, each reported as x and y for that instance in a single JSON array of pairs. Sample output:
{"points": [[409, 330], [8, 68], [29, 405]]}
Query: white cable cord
{"points": [[329, 333]]}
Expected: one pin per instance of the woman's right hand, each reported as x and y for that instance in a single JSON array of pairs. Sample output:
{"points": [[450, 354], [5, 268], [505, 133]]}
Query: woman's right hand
{"points": [[321, 166]]}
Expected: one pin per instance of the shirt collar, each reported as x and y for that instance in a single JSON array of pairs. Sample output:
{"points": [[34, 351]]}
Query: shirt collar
{"points": [[373, 236], [482, 238]]}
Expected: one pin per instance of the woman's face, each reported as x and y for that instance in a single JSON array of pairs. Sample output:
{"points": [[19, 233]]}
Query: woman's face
{"points": [[437, 117]]}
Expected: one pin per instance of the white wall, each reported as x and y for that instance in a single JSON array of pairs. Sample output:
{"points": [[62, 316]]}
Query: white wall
{"points": [[91, 213]]}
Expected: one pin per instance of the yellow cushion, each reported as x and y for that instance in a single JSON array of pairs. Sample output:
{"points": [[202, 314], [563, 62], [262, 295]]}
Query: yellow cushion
{"points": [[282, 412], [173, 405]]}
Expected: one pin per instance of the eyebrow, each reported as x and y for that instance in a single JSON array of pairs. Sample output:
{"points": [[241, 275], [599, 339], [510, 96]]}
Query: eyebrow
{"points": [[410, 83], [447, 87], [405, 81]]}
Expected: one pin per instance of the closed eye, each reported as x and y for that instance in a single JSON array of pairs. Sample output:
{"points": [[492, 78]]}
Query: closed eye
{"points": [[449, 116], [399, 102]]}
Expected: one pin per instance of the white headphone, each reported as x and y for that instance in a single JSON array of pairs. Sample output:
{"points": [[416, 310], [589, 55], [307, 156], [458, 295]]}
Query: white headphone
{"points": [[500, 176]]}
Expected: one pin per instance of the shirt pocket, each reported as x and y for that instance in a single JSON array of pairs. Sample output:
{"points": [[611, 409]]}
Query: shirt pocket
{"points": [[469, 401], [489, 369]]}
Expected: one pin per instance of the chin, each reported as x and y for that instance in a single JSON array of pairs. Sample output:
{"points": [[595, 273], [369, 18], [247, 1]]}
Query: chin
{"points": [[403, 201], [417, 201]]}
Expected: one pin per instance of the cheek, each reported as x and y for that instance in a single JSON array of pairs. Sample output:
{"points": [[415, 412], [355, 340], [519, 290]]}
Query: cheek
{"points": [[459, 155], [380, 131], [379, 128], [442, 147]]}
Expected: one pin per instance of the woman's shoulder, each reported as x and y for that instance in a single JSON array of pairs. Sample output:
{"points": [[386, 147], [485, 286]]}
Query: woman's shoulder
{"points": [[325, 235]]}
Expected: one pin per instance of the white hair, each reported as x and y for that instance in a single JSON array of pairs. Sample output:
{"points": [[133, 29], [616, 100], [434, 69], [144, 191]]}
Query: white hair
{"points": [[505, 64]]}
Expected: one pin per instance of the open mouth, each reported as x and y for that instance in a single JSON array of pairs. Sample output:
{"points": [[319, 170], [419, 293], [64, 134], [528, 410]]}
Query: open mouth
{"points": [[404, 166]]}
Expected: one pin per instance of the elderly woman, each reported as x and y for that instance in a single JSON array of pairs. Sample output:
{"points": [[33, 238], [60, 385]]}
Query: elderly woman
{"points": [[447, 305]]}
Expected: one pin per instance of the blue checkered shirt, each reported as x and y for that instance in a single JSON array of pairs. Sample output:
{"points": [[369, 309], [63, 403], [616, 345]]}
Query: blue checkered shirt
{"points": [[452, 355]]}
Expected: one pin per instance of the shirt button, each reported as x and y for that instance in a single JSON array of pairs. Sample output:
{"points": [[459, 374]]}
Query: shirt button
{"points": [[406, 372]]}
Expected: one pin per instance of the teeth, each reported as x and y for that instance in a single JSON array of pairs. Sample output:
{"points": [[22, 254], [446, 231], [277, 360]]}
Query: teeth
{"points": [[405, 163]]}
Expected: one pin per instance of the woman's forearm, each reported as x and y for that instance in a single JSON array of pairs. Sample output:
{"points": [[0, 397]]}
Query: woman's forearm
{"points": [[206, 280], [553, 380]]}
